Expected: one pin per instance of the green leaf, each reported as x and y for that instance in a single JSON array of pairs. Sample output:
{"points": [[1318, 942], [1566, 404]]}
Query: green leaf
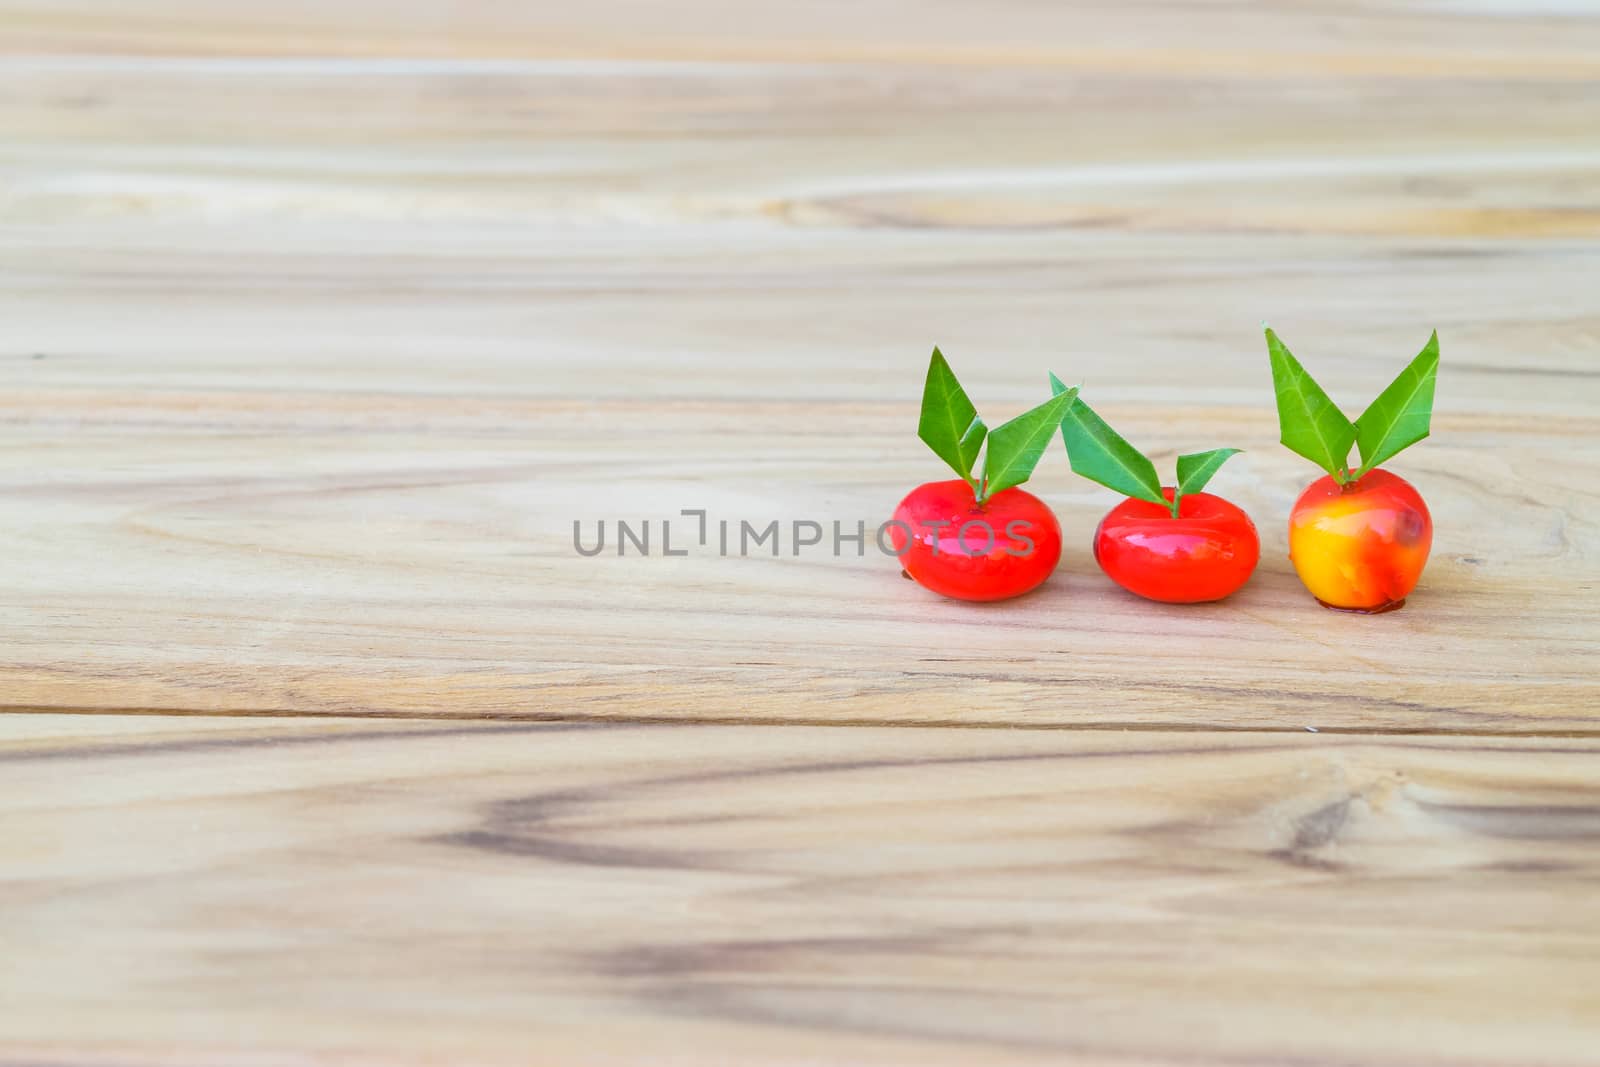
{"points": [[1401, 415], [1100, 454], [1015, 446], [1196, 469], [950, 424], [1308, 422]]}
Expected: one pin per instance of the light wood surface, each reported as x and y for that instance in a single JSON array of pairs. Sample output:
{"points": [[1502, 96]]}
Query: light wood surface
{"points": [[256, 891], [311, 359], [311, 363], [324, 321]]}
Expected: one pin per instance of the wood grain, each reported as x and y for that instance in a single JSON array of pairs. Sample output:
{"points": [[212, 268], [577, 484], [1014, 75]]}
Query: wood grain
{"points": [[221, 891], [318, 341], [325, 321]]}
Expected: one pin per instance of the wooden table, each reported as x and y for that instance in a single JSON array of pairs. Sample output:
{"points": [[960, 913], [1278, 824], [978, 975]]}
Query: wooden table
{"points": [[324, 322]]}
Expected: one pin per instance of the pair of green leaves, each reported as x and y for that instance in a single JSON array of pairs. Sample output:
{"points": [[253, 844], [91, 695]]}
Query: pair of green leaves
{"points": [[951, 427], [1312, 425], [1102, 455]]}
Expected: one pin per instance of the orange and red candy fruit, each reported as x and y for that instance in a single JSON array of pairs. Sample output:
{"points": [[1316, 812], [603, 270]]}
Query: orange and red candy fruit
{"points": [[1362, 546]]}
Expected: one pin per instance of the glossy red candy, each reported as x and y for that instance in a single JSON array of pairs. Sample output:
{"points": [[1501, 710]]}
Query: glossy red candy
{"points": [[959, 548], [1206, 552]]}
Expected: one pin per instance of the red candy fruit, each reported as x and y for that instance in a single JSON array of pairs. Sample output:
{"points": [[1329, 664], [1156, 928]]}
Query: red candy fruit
{"points": [[1174, 544], [1204, 553], [959, 548], [978, 537]]}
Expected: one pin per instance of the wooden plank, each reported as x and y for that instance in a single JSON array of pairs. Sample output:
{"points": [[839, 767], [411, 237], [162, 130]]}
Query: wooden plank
{"points": [[310, 364], [223, 891], [1410, 39]]}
